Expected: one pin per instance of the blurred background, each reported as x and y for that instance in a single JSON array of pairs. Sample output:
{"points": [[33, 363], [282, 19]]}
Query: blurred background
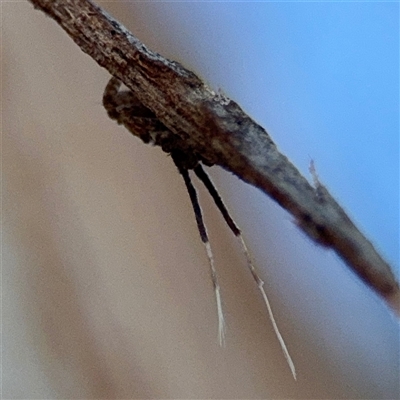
{"points": [[106, 290]]}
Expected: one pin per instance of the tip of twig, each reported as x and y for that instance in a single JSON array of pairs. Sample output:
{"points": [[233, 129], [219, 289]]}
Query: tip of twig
{"points": [[313, 172], [394, 302]]}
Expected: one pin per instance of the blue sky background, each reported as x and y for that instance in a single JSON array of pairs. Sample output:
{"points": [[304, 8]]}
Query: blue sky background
{"points": [[323, 78]]}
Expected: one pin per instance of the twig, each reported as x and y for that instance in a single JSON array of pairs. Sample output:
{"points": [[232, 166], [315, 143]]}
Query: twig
{"points": [[217, 129]]}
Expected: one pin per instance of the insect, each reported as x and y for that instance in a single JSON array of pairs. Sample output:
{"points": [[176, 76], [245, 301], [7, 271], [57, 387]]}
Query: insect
{"points": [[126, 109]]}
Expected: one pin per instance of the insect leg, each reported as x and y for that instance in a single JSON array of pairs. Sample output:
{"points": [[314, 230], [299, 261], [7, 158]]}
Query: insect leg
{"points": [[204, 238], [202, 175]]}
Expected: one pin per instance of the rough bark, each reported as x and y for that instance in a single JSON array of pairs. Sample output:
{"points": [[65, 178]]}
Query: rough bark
{"points": [[221, 133]]}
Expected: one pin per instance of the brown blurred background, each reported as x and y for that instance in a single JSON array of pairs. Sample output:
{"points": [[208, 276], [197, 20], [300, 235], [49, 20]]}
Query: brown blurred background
{"points": [[105, 281]]}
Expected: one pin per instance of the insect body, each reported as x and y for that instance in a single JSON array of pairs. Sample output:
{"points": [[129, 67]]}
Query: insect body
{"points": [[126, 109]]}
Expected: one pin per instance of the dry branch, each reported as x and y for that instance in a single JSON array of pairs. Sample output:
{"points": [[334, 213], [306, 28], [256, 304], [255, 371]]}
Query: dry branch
{"points": [[218, 130]]}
